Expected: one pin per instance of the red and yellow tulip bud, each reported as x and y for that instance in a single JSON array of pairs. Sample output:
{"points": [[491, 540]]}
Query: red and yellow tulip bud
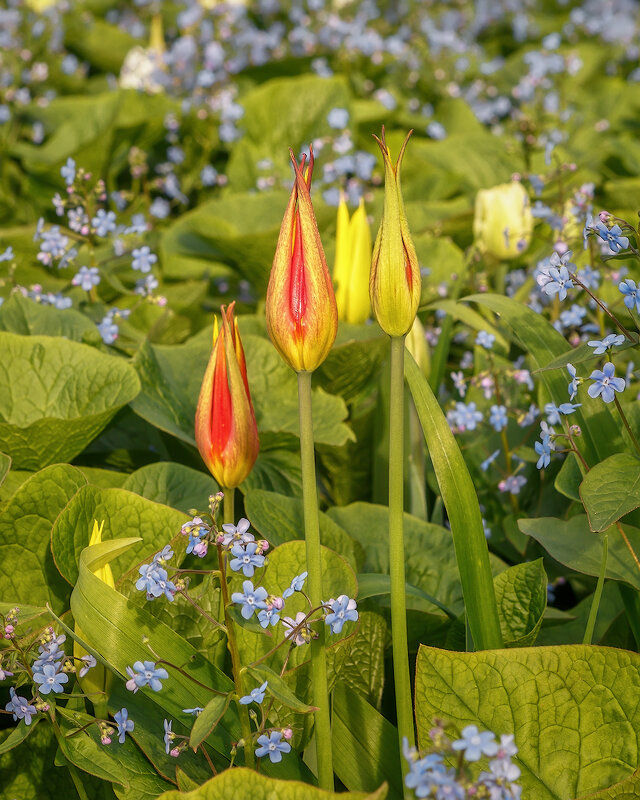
{"points": [[226, 430], [394, 281], [352, 264], [95, 684], [503, 221], [301, 313]]}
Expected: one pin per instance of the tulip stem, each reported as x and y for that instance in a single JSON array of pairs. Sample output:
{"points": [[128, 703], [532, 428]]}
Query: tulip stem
{"points": [[402, 679], [232, 644], [320, 694]]}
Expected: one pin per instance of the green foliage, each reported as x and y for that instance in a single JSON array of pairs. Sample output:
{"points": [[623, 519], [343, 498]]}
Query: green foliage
{"points": [[230, 785], [172, 484], [58, 396], [610, 490], [573, 710], [521, 595]]}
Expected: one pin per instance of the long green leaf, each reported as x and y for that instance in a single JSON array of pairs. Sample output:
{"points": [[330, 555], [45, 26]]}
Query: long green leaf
{"points": [[461, 502]]}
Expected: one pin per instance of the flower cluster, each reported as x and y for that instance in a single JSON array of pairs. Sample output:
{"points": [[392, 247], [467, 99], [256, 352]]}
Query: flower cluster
{"points": [[429, 775]]}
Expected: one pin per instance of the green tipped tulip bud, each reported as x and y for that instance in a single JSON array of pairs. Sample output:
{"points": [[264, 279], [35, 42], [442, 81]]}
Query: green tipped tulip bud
{"points": [[503, 221], [352, 264], [394, 281]]}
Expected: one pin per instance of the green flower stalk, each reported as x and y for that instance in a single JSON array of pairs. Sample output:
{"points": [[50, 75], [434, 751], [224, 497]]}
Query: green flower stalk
{"points": [[394, 288], [302, 322]]}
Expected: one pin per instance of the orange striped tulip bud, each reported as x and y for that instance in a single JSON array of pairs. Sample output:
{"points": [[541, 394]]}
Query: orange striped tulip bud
{"points": [[302, 318], [394, 281], [226, 430]]}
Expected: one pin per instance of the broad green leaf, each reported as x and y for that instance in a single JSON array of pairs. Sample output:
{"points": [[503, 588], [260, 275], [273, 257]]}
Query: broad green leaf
{"points": [[34, 777], [521, 595], [572, 631], [86, 751], [27, 613], [351, 367], [280, 519], [365, 745], [24, 316], [277, 468], [12, 482], [208, 718], [610, 490], [25, 537], [460, 500], [105, 478], [568, 480], [430, 564], [58, 395], [169, 396], [625, 790], [172, 484], [124, 514], [18, 734], [600, 433], [241, 782], [237, 232], [572, 543], [573, 710], [277, 688], [362, 670]]}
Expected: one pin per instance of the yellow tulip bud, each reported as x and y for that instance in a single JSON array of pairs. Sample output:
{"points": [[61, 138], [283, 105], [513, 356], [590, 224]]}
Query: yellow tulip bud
{"points": [[503, 221], [394, 282], [352, 264], [96, 682]]}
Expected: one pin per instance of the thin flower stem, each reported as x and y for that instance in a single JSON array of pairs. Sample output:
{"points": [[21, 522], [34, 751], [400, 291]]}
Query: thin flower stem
{"points": [[595, 603], [319, 685], [601, 305], [396, 547], [232, 643], [190, 677], [292, 635], [623, 417], [628, 543], [201, 610], [209, 761]]}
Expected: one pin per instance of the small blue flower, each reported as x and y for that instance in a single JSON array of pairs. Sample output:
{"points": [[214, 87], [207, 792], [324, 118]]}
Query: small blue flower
{"points": [[484, 466], [254, 696], [553, 412], [342, 610], [208, 175], [338, 118], [143, 259], [246, 559], [612, 236], [555, 281], [89, 662], [124, 724], [20, 707], [160, 208], [8, 254], [475, 744], [146, 674], [297, 585], [104, 222], [467, 416], [236, 534], [50, 679], [631, 294], [605, 383], [273, 746], [601, 346], [193, 711], [168, 735], [68, 171], [498, 417], [268, 616], [86, 278], [250, 599], [543, 449], [572, 388], [154, 581], [485, 339], [166, 554]]}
